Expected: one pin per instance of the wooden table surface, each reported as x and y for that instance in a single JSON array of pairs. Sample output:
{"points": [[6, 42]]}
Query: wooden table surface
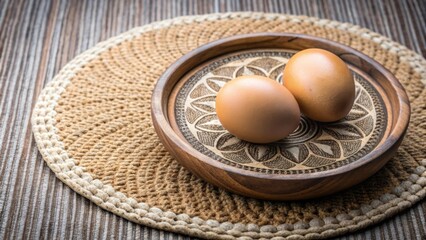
{"points": [[37, 38]]}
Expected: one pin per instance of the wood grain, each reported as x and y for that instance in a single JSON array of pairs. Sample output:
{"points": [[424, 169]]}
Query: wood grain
{"points": [[37, 38]]}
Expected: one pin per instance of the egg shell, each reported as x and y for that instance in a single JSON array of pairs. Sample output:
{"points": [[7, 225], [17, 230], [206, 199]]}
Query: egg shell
{"points": [[257, 109], [322, 84]]}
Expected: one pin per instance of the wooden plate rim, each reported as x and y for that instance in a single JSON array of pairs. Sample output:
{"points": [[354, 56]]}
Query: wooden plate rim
{"points": [[160, 98]]}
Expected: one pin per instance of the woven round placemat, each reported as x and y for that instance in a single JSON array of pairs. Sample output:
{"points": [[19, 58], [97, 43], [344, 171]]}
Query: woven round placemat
{"points": [[92, 125]]}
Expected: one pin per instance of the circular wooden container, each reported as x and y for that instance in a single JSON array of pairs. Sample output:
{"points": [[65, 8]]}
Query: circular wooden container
{"points": [[316, 160]]}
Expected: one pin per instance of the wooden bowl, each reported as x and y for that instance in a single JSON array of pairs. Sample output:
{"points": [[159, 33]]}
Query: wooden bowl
{"points": [[316, 160]]}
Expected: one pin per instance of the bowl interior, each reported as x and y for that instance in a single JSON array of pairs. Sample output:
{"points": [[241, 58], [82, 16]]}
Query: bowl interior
{"points": [[312, 147]]}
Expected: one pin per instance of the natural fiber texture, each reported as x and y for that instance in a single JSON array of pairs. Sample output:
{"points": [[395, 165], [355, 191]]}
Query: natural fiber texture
{"points": [[93, 127]]}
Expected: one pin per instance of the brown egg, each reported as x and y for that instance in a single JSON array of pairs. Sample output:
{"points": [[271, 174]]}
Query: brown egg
{"points": [[257, 109], [321, 83]]}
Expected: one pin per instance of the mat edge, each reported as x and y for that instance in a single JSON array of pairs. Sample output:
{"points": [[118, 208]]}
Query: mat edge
{"points": [[43, 126]]}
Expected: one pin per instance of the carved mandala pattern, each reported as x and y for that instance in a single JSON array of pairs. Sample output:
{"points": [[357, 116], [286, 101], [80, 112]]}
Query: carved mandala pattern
{"points": [[312, 147]]}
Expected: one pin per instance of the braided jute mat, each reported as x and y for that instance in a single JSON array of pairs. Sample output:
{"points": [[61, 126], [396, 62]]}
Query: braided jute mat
{"points": [[93, 127]]}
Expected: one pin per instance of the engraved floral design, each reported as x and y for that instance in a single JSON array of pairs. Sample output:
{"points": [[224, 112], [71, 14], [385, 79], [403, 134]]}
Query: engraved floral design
{"points": [[313, 146]]}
